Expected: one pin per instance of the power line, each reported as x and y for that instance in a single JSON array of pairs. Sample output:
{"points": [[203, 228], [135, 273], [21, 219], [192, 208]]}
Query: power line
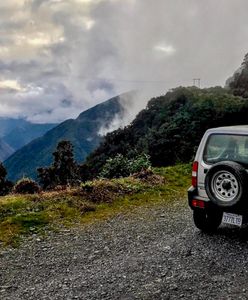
{"points": [[125, 80], [196, 81]]}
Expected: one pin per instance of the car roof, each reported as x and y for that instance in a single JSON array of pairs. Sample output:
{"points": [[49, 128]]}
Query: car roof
{"points": [[229, 129]]}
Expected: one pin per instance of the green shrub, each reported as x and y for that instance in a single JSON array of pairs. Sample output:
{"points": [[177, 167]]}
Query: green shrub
{"points": [[116, 167], [26, 186], [121, 166], [141, 162]]}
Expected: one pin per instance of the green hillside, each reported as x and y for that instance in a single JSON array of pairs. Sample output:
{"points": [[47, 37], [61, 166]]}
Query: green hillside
{"points": [[82, 132], [171, 126]]}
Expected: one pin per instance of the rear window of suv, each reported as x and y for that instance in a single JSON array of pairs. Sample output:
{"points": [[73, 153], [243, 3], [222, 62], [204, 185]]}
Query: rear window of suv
{"points": [[221, 147]]}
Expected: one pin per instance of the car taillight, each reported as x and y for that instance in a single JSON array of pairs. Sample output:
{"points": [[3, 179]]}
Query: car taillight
{"points": [[194, 173], [198, 203]]}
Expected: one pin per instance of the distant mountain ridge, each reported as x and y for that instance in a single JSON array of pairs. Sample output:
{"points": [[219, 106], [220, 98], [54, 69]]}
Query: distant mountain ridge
{"points": [[9, 124], [83, 132], [15, 133], [22, 135]]}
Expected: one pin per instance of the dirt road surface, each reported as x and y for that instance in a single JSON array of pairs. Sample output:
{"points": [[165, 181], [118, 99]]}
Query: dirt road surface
{"points": [[151, 253]]}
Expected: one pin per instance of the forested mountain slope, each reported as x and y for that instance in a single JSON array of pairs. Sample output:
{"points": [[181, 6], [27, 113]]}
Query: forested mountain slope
{"points": [[171, 126]]}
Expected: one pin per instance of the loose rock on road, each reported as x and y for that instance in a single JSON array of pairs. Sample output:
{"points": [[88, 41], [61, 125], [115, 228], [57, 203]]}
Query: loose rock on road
{"points": [[152, 253]]}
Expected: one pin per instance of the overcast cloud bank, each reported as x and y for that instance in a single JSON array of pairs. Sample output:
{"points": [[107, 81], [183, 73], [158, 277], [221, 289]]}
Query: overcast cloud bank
{"points": [[60, 57]]}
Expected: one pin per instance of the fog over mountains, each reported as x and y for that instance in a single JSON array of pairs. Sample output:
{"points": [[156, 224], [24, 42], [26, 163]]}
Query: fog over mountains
{"points": [[85, 132]]}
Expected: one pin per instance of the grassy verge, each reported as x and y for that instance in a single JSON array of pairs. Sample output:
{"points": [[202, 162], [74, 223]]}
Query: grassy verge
{"points": [[28, 214]]}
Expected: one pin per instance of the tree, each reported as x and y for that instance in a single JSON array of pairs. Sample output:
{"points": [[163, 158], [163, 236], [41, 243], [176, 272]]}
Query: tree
{"points": [[245, 61], [5, 185], [3, 173], [46, 177], [64, 169], [238, 83]]}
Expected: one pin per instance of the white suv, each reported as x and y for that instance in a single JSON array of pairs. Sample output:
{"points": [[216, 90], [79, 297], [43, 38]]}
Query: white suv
{"points": [[219, 191]]}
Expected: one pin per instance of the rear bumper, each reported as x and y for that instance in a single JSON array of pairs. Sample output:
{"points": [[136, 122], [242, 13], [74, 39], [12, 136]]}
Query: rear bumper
{"points": [[193, 195]]}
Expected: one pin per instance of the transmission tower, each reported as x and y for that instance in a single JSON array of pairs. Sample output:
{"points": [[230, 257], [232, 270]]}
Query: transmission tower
{"points": [[197, 82]]}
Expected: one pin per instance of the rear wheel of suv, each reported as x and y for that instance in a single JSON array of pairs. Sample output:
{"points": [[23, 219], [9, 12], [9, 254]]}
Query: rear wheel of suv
{"points": [[226, 184], [207, 221]]}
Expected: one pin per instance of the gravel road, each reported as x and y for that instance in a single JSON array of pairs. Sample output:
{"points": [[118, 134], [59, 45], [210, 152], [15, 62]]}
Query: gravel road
{"points": [[151, 253]]}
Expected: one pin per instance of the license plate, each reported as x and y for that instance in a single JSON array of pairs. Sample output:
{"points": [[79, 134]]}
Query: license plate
{"points": [[232, 219]]}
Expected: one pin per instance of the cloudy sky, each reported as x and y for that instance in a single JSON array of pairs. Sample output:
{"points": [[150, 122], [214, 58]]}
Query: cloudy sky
{"points": [[59, 57]]}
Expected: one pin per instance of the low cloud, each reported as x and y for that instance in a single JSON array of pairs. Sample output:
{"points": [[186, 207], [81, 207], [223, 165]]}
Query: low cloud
{"points": [[132, 103]]}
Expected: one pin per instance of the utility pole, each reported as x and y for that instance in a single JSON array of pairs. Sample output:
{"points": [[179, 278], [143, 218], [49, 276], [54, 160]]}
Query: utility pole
{"points": [[197, 82]]}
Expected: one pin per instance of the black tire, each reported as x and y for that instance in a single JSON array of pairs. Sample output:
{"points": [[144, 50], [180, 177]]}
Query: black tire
{"points": [[226, 184], [207, 221]]}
